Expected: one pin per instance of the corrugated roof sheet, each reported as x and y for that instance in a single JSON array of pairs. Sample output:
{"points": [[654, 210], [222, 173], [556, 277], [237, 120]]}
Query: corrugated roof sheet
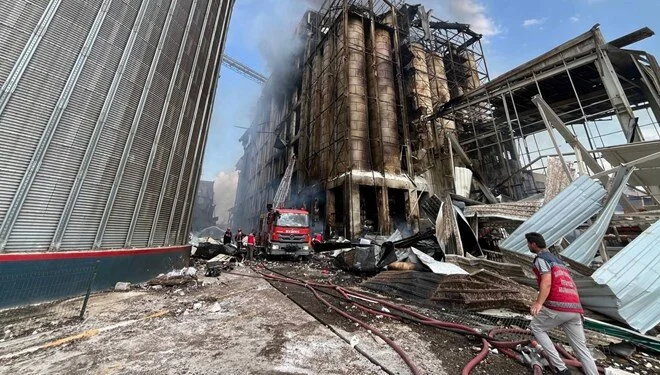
{"points": [[570, 208], [584, 248], [627, 287]]}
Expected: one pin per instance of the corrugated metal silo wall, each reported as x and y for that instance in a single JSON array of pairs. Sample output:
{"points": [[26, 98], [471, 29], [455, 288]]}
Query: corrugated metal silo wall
{"points": [[104, 111]]}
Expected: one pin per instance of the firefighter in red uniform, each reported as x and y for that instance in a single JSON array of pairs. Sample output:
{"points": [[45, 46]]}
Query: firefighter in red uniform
{"points": [[557, 305], [250, 245]]}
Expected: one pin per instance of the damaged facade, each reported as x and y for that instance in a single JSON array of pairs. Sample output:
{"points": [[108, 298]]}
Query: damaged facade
{"points": [[354, 109]]}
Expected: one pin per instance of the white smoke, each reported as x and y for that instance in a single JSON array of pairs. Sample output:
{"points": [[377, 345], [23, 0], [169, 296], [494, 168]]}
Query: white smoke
{"points": [[224, 194], [273, 25], [464, 11]]}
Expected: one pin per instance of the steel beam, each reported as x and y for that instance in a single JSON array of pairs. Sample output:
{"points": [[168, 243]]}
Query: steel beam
{"points": [[479, 181], [512, 87], [649, 89], [615, 91], [553, 121]]}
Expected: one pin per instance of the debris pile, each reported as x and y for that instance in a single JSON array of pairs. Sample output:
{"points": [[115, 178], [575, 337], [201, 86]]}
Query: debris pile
{"points": [[182, 277], [484, 290]]}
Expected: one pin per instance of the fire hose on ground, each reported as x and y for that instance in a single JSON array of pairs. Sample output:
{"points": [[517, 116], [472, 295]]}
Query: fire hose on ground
{"points": [[531, 352]]}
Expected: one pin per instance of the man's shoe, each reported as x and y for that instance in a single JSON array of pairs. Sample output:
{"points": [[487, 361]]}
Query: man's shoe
{"points": [[564, 372]]}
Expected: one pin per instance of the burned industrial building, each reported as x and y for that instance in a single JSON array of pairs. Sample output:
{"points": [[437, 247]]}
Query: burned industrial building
{"points": [[385, 105], [354, 111]]}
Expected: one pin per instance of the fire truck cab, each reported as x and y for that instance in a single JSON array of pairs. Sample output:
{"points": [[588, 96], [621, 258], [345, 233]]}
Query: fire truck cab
{"points": [[286, 232]]}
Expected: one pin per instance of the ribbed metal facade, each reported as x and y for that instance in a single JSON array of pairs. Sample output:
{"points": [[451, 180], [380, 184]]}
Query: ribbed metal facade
{"points": [[104, 110]]}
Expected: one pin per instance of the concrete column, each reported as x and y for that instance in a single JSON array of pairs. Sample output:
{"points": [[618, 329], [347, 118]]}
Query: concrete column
{"points": [[353, 226], [384, 225], [412, 210], [330, 213]]}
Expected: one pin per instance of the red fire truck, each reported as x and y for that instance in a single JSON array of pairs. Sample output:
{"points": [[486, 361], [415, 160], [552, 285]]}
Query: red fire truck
{"points": [[286, 232]]}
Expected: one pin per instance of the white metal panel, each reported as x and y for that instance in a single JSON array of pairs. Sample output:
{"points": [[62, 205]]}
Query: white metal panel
{"points": [[146, 207], [584, 248], [176, 214], [462, 181], [570, 208], [648, 173], [627, 287], [72, 180], [166, 73], [207, 92]]}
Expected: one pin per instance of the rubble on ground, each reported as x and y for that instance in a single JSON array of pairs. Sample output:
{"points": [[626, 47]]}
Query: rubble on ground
{"points": [[182, 277]]}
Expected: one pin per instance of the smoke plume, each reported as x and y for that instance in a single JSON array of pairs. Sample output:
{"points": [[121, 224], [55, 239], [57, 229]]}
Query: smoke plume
{"points": [[224, 194]]}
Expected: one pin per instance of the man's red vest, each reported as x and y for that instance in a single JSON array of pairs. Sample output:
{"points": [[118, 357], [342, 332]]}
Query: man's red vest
{"points": [[250, 239], [563, 292]]}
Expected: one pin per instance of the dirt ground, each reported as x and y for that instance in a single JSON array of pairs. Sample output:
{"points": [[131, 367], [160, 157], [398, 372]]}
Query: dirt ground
{"points": [[232, 324]]}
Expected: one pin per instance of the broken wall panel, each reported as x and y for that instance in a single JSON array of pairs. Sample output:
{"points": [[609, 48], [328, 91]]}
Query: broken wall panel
{"points": [[570, 208], [627, 287]]}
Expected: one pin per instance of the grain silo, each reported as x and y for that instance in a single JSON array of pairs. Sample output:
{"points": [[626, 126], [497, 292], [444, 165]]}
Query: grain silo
{"points": [[104, 110]]}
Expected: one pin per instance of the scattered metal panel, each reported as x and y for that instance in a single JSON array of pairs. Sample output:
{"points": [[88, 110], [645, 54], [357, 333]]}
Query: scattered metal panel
{"points": [[170, 163], [584, 248], [405, 284], [42, 238], [627, 287], [100, 234], [462, 181], [72, 200], [157, 137], [21, 64], [570, 208], [519, 211], [476, 264]]}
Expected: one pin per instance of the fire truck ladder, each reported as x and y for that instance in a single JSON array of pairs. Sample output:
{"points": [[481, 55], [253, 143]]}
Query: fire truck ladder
{"points": [[285, 185]]}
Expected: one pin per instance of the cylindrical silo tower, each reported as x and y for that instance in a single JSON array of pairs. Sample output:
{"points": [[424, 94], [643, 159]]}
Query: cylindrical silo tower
{"points": [[327, 100], [383, 117], [420, 87], [104, 111], [357, 95]]}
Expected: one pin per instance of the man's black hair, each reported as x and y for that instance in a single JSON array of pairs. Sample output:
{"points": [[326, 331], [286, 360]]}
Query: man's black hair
{"points": [[536, 238]]}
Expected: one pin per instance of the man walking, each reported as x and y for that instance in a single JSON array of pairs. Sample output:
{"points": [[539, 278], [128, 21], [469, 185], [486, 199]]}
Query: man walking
{"points": [[250, 246], [557, 305], [239, 239]]}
